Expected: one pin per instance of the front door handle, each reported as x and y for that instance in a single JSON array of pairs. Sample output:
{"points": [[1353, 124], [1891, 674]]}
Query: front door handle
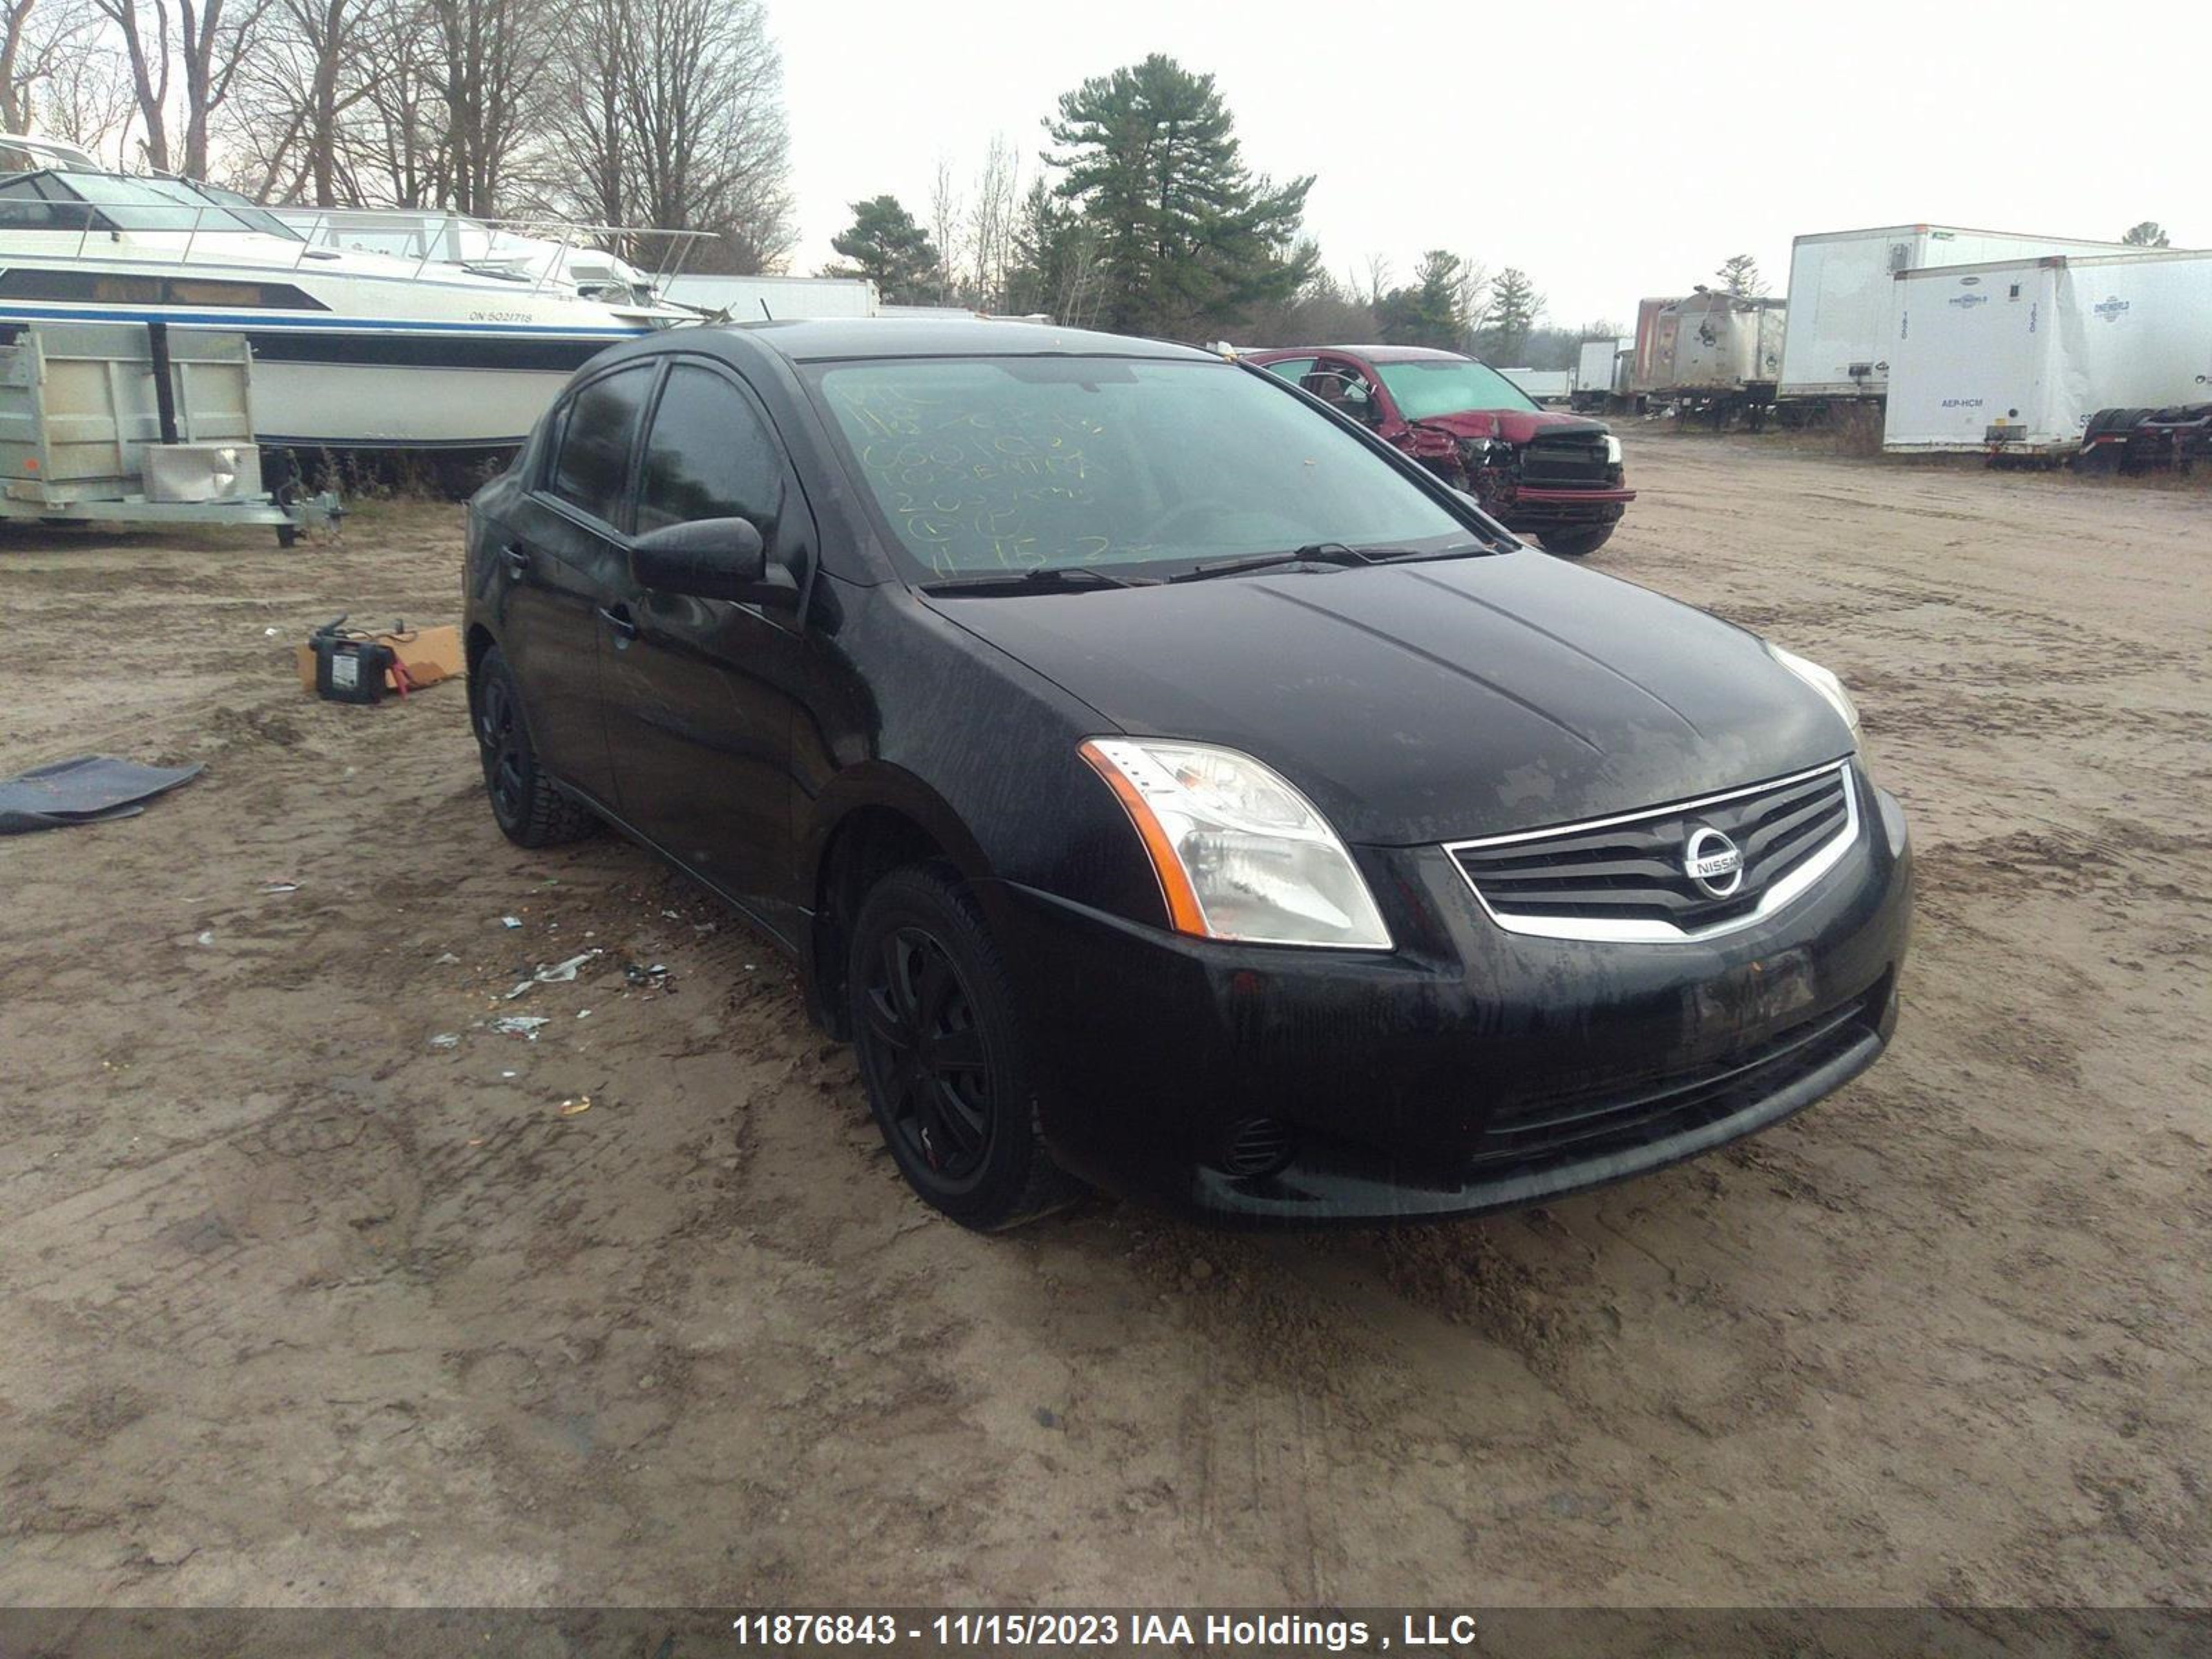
{"points": [[518, 560], [617, 617]]}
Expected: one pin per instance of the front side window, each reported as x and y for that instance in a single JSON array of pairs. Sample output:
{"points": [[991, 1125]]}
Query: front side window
{"points": [[595, 438], [708, 457], [1449, 386], [1346, 387], [1008, 463]]}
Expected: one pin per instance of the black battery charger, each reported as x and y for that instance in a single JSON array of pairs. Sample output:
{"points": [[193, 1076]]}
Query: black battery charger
{"points": [[350, 665]]}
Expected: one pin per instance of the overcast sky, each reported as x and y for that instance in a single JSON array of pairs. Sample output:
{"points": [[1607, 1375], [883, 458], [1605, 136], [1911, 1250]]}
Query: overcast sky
{"points": [[1616, 150]]}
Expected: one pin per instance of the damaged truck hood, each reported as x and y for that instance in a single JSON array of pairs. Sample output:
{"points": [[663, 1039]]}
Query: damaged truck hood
{"points": [[1515, 426], [1430, 701]]}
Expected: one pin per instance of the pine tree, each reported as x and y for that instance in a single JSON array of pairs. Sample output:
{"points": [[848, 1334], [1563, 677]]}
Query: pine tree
{"points": [[1440, 307], [1514, 306], [1188, 240], [2148, 233], [888, 247], [1054, 266], [1738, 275]]}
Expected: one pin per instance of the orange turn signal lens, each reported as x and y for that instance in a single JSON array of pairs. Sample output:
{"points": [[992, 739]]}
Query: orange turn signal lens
{"points": [[1183, 909]]}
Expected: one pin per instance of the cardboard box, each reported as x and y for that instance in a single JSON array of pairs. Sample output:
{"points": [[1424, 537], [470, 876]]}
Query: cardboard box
{"points": [[428, 655]]}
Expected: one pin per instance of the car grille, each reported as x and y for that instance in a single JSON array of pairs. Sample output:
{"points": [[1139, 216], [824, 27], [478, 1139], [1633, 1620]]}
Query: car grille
{"points": [[1567, 461], [1590, 1124], [1626, 878]]}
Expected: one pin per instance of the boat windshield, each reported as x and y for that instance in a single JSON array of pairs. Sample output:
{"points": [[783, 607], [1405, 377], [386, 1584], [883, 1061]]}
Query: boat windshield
{"points": [[129, 203], [252, 211]]}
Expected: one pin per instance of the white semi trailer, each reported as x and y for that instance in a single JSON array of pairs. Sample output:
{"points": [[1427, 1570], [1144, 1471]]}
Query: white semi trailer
{"points": [[2014, 357], [1602, 370], [1844, 294]]}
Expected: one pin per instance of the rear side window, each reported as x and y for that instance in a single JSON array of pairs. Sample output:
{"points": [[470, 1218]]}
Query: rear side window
{"points": [[595, 440], [709, 456], [1293, 369]]}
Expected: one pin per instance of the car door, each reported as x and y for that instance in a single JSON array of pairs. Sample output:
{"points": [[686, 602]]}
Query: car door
{"points": [[1357, 391], [700, 692], [563, 557]]}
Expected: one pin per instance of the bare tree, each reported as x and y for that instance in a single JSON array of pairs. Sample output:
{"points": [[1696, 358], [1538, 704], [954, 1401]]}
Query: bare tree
{"points": [[145, 36], [68, 81], [286, 136], [1369, 292], [493, 55], [37, 41], [592, 111], [709, 147], [991, 225], [215, 36], [944, 224], [398, 148], [195, 50]]}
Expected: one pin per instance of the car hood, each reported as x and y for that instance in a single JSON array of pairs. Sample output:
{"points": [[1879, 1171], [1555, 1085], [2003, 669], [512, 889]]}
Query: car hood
{"points": [[1427, 702], [1515, 426]]}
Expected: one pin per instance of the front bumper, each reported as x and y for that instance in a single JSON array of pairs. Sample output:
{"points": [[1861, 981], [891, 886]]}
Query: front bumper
{"points": [[1538, 510], [1467, 1070]]}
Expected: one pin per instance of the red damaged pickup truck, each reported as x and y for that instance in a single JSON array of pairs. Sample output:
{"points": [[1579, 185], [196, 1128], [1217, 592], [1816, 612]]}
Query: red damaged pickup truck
{"points": [[1556, 478]]}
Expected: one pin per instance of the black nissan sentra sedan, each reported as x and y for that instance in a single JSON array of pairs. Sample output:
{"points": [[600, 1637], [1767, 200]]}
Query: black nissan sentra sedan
{"points": [[1165, 784]]}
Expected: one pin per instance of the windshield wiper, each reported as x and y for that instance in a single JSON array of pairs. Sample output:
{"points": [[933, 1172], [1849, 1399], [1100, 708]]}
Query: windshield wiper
{"points": [[1313, 553], [1417, 555], [1038, 579]]}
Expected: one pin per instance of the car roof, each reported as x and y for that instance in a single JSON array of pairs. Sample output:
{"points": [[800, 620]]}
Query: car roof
{"points": [[1373, 354], [822, 339]]}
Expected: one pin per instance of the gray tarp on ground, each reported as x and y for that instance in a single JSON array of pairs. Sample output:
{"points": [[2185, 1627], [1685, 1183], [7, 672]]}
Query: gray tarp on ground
{"points": [[85, 790]]}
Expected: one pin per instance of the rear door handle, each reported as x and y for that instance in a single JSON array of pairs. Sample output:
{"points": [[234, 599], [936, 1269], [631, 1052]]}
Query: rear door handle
{"points": [[518, 560], [618, 618]]}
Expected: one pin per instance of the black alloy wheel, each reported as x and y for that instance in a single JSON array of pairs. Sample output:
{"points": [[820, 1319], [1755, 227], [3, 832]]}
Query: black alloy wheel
{"points": [[926, 1056], [530, 812], [499, 730], [933, 1016]]}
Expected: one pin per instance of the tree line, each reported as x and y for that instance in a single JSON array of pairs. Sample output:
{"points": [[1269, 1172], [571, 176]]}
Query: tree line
{"points": [[1141, 215], [660, 113]]}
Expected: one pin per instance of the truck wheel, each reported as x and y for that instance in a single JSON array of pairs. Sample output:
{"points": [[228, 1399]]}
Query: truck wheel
{"points": [[942, 1052], [1574, 544], [529, 810]]}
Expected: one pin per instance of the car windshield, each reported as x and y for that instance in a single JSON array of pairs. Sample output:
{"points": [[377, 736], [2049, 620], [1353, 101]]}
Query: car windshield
{"points": [[1013, 463], [1448, 385]]}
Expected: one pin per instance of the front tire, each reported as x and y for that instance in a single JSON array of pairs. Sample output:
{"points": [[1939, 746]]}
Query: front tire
{"points": [[942, 1054], [1574, 544], [527, 807]]}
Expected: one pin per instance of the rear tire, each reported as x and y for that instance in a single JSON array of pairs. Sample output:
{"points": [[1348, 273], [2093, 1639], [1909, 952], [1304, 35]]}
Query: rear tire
{"points": [[942, 1055], [1574, 544], [530, 810]]}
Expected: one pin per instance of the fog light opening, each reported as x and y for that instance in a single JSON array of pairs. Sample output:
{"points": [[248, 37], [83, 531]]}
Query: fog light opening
{"points": [[1255, 1146]]}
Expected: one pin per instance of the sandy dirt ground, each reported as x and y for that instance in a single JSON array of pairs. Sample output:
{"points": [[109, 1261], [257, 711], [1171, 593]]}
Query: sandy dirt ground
{"points": [[303, 1305]]}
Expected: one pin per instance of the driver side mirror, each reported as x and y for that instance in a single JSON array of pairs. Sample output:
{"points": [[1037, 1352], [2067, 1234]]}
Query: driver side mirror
{"points": [[702, 559]]}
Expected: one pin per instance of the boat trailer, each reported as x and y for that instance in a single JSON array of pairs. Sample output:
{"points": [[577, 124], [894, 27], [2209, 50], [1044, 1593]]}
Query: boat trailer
{"points": [[117, 422]]}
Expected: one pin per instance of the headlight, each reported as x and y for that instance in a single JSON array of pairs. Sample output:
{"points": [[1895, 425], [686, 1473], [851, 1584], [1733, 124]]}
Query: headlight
{"points": [[1821, 681], [1240, 853], [1612, 449]]}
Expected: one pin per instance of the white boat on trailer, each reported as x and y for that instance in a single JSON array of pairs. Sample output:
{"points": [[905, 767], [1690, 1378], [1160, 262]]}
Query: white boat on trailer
{"points": [[458, 343]]}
